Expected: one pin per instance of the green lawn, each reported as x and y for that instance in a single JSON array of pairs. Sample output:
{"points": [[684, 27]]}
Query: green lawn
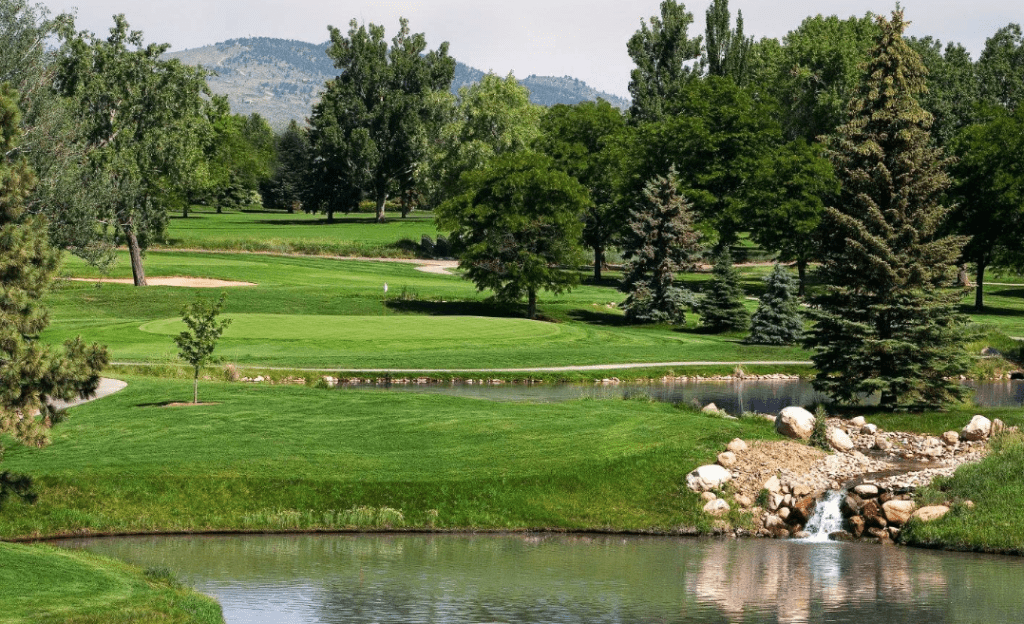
{"points": [[354, 234], [318, 312], [41, 584], [295, 457]]}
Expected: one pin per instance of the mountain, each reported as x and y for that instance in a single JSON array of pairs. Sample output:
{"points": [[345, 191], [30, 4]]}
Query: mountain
{"points": [[281, 78]]}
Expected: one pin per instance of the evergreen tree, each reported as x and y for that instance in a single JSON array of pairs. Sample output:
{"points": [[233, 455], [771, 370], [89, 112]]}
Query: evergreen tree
{"points": [[778, 320], [30, 371], [722, 307], [659, 242], [883, 321]]}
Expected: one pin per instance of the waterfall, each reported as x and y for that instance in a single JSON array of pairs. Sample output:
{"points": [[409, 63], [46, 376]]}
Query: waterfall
{"points": [[827, 518]]}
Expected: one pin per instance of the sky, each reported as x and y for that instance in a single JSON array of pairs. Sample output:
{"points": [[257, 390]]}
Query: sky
{"points": [[582, 39]]}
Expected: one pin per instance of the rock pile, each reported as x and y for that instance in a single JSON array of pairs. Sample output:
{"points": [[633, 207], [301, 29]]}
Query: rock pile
{"points": [[873, 510], [780, 482]]}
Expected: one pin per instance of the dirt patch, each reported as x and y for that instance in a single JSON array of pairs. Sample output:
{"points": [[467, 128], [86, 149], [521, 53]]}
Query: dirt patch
{"points": [[183, 282], [767, 458]]}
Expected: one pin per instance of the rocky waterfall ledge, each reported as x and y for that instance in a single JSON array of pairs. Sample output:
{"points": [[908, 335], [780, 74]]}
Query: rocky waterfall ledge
{"points": [[779, 483]]}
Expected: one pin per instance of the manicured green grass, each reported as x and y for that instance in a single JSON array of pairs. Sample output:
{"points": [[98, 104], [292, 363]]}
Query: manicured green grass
{"points": [[996, 487], [40, 584], [317, 312], [354, 234], [288, 457]]}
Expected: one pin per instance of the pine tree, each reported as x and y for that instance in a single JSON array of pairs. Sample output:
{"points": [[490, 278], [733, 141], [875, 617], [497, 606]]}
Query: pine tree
{"points": [[659, 242], [30, 371], [778, 320], [884, 323], [722, 307]]}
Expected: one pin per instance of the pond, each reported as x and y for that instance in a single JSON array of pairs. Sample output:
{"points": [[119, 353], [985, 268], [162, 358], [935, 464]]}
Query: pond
{"points": [[767, 396], [341, 579]]}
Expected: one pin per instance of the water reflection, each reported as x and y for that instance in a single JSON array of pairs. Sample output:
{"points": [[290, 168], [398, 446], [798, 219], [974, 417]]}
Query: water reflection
{"points": [[735, 396], [569, 579]]}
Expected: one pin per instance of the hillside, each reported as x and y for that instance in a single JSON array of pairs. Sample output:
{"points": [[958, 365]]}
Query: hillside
{"points": [[281, 79]]}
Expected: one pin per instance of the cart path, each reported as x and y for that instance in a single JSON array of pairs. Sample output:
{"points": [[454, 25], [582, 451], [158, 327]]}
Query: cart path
{"points": [[106, 388]]}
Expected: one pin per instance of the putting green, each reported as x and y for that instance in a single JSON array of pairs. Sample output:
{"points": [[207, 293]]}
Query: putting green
{"points": [[371, 329]]}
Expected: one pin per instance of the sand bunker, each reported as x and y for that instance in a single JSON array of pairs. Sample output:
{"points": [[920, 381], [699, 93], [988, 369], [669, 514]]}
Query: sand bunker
{"points": [[437, 267], [186, 282]]}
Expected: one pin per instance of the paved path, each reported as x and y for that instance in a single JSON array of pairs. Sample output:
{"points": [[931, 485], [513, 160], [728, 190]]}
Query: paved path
{"points": [[106, 387], [539, 369]]}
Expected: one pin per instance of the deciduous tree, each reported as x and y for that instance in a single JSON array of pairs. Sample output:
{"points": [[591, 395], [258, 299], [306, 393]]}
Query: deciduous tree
{"points": [[196, 344], [369, 130], [518, 221], [586, 142], [143, 119], [666, 58], [885, 321]]}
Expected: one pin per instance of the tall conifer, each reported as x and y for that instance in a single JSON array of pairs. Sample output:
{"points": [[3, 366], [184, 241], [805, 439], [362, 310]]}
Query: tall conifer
{"points": [[778, 320], [31, 373], [884, 322], [722, 307], [660, 241]]}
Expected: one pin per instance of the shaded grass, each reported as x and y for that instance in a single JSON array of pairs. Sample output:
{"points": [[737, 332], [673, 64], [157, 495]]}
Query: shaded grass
{"points": [[40, 584], [287, 458]]}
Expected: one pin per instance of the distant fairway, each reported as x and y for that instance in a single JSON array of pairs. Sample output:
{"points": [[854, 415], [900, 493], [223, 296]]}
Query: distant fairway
{"points": [[380, 332]]}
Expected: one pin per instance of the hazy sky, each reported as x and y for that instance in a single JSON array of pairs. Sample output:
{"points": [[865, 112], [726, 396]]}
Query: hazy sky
{"points": [[583, 39]]}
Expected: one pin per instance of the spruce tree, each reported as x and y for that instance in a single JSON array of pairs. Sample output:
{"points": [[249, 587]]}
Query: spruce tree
{"points": [[778, 320], [884, 323], [30, 371], [722, 307], [660, 241]]}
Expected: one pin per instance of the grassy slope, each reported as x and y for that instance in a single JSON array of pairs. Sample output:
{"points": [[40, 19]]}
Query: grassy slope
{"points": [[40, 584], [278, 457]]}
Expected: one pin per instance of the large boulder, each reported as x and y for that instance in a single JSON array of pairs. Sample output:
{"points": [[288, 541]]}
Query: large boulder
{"points": [[838, 439], [866, 490], [737, 446], [727, 459], [978, 429], [898, 511], [717, 507], [802, 510], [931, 512], [795, 422], [708, 477]]}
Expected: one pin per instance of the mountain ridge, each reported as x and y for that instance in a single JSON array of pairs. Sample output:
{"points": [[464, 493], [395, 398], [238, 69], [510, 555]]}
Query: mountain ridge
{"points": [[281, 79]]}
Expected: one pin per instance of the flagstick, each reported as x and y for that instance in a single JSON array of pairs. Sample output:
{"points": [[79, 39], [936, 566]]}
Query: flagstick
{"points": [[384, 300]]}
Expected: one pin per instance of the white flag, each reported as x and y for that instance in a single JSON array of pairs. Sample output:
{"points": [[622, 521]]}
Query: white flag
{"points": [[385, 287]]}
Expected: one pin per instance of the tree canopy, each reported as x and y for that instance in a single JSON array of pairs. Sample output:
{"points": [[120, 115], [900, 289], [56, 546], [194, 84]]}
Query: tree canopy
{"points": [[369, 130], [517, 221], [143, 120]]}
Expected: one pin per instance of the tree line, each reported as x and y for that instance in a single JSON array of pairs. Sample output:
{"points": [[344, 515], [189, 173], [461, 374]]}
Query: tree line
{"points": [[725, 135]]}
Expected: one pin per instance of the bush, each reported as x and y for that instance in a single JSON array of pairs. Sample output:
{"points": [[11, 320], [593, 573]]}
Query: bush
{"points": [[722, 307], [819, 437], [778, 320]]}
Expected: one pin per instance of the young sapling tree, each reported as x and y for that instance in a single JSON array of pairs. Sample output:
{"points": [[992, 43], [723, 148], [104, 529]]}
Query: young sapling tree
{"points": [[196, 344]]}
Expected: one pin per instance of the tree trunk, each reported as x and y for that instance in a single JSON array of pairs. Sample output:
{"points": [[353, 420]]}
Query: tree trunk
{"points": [[382, 200], [135, 252], [598, 261], [979, 291], [330, 215], [195, 387], [801, 269], [888, 400], [531, 310]]}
